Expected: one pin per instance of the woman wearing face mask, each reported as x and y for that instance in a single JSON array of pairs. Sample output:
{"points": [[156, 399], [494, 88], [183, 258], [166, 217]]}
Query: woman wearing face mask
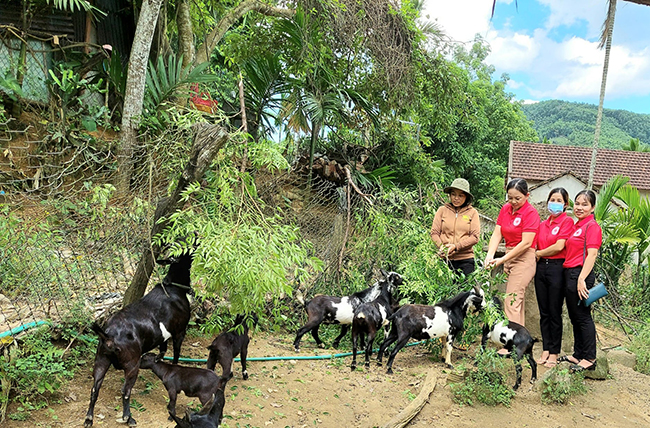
{"points": [[456, 228], [517, 224], [581, 251], [549, 276]]}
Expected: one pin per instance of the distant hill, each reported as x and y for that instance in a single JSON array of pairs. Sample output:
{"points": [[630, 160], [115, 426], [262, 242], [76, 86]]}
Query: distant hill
{"points": [[573, 124]]}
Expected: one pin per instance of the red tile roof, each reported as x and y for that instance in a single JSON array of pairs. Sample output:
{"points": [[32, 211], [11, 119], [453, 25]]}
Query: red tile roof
{"points": [[536, 161]]}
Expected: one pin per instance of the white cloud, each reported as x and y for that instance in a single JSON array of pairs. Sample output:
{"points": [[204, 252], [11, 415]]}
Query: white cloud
{"points": [[547, 66], [563, 12]]}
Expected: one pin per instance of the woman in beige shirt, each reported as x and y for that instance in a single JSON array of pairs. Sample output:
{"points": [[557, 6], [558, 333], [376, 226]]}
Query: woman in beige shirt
{"points": [[456, 228]]}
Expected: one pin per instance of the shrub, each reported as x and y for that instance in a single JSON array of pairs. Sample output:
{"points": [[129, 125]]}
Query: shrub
{"points": [[641, 347], [485, 384], [559, 386]]}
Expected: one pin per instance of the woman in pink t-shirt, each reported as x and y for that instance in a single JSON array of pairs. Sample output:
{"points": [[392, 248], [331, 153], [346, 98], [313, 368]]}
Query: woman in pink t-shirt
{"points": [[549, 277], [517, 224], [581, 251]]}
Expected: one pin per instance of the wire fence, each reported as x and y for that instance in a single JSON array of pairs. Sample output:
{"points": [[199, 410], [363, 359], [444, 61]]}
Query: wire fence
{"points": [[69, 248]]}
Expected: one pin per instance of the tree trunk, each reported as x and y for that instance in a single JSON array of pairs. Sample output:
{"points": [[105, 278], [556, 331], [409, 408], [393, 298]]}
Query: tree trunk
{"points": [[133, 99], [185, 33], [203, 52], [599, 117], [208, 140]]}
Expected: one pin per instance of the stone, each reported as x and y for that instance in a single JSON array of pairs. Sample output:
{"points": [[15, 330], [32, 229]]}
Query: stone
{"points": [[623, 357], [602, 367]]}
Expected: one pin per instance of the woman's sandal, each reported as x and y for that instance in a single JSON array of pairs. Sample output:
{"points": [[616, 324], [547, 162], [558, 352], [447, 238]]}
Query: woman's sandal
{"points": [[577, 368], [567, 359], [550, 364]]}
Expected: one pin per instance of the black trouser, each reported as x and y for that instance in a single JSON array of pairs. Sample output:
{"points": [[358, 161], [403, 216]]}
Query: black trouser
{"points": [[549, 287], [584, 329], [466, 266]]}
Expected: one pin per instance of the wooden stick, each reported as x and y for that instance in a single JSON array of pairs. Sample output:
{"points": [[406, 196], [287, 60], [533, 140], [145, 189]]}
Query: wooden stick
{"points": [[405, 416]]}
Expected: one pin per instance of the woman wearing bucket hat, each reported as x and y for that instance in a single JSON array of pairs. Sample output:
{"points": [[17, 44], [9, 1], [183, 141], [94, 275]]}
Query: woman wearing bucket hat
{"points": [[456, 228]]}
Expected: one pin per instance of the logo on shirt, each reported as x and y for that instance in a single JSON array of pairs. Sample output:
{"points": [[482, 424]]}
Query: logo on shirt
{"points": [[578, 232], [517, 221], [466, 217], [555, 230]]}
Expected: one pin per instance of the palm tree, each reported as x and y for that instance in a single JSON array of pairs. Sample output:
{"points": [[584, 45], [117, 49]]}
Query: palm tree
{"points": [[636, 146]]}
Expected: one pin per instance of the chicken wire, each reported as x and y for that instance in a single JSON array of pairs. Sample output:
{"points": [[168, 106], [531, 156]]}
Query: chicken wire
{"points": [[87, 260]]}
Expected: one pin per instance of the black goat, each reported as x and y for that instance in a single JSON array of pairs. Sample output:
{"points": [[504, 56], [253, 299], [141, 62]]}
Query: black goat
{"points": [[423, 322], [193, 381], [339, 310], [368, 319], [140, 327], [512, 335], [228, 345], [209, 417]]}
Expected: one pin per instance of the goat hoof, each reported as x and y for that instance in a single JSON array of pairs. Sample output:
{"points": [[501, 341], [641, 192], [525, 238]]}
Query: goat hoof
{"points": [[335, 345], [353, 368], [367, 366], [169, 418], [450, 366], [245, 376], [296, 349], [389, 371], [88, 423], [379, 363]]}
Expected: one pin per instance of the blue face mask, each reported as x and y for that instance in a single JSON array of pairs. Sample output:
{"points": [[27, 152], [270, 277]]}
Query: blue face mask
{"points": [[555, 208]]}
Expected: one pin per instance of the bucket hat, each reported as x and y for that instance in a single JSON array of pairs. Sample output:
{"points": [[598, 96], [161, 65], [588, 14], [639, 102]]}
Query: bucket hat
{"points": [[462, 185]]}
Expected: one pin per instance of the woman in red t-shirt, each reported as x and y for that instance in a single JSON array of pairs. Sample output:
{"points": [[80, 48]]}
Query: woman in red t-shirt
{"points": [[517, 224], [581, 251], [549, 276]]}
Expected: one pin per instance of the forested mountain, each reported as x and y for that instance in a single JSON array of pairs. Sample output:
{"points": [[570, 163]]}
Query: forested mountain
{"points": [[568, 123]]}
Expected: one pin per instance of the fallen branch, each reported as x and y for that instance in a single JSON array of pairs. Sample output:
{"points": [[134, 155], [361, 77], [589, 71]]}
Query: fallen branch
{"points": [[405, 416], [354, 186]]}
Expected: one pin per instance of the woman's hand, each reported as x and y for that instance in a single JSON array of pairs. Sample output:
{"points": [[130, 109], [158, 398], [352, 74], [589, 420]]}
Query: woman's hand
{"points": [[445, 250], [583, 293]]}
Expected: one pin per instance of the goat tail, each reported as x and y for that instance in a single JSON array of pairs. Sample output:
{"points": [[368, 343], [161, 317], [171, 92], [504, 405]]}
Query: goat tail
{"points": [[299, 297], [99, 331]]}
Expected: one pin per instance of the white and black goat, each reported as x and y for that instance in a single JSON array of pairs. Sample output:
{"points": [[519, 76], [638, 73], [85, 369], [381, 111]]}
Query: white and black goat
{"points": [[143, 325], [368, 319], [512, 336], [339, 310], [421, 322]]}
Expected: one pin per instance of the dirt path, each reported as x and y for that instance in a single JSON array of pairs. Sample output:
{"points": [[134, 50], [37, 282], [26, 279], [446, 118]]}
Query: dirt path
{"points": [[325, 393]]}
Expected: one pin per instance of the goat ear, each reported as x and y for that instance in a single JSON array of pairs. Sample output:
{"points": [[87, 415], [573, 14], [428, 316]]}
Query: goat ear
{"points": [[208, 406], [182, 423]]}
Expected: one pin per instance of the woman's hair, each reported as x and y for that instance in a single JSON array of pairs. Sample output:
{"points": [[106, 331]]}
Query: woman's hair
{"points": [[518, 184], [562, 191], [590, 195]]}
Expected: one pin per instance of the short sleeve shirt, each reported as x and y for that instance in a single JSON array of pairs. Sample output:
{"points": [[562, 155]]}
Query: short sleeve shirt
{"points": [[585, 230], [526, 219], [552, 230]]}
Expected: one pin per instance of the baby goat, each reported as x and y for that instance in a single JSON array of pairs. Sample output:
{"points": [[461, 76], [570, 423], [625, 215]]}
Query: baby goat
{"points": [[368, 319], [193, 381], [423, 322], [228, 345], [209, 417], [140, 327], [339, 310], [511, 335]]}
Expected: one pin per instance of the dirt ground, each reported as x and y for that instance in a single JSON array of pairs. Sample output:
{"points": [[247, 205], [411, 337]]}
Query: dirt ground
{"points": [[307, 393]]}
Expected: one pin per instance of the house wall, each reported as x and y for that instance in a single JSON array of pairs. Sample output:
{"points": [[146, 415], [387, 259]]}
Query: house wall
{"points": [[569, 182]]}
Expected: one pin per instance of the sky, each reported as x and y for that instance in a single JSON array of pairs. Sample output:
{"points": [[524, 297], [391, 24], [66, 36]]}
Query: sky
{"points": [[549, 48]]}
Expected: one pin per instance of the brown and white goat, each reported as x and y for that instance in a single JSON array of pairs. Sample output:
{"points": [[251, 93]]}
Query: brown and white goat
{"points": [[146, 324], [339, 310], [445, 319]]}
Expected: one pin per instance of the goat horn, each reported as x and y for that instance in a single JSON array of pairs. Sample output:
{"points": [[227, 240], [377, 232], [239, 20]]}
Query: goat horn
{"points": [[208, 406], [383, 272]]}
